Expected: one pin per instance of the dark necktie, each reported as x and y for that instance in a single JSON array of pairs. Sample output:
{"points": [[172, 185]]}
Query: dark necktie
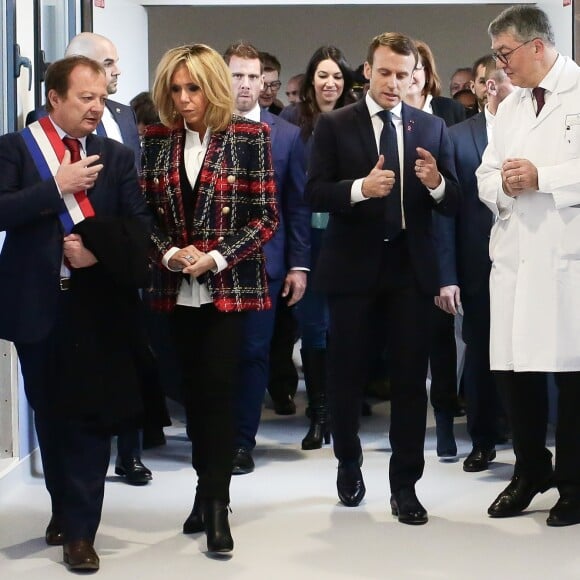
{"points": [[74, 146], [388, 148], [539, 95]]}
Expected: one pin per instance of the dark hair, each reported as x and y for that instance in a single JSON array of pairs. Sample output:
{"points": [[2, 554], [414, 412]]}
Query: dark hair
{"points": [[486, 61], [270, 62], [397, 42], [432, 80], [308, 107], [58, 75], [243, 49], [144, 108], [524, 22]]}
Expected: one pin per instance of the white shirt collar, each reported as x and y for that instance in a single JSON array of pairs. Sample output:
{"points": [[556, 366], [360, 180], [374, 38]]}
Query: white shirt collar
{"points": [[254, 114], [374, 108], [62, 133]]}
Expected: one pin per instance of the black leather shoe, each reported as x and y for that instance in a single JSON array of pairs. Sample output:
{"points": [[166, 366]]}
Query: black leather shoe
{"points": [[285, 406], [243, 462], [53, 534], [194, 522], [217, 527], [134, 472], [406, 506], [80, 555], [478, 460], [349, 483], [566, 512], [516, 497]]}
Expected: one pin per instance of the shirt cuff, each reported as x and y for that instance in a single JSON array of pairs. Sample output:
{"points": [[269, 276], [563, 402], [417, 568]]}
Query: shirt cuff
{"points": [[220, 261], [300, 269], [167, 256], [439, 192], [356, 194]]}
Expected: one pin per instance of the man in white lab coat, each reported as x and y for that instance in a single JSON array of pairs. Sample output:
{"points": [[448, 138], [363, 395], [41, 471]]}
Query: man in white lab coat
{"points": [[530, 179]]}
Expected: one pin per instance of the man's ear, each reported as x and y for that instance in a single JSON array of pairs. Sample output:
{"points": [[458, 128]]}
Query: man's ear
{"points": [[491, 87], [52, 97]]}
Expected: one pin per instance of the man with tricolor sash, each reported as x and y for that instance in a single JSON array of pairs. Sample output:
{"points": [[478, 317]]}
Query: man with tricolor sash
{"points": [[73, 259]]}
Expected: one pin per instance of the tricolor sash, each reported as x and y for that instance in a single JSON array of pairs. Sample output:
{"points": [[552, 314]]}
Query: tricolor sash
{"points": [[47, 151]]}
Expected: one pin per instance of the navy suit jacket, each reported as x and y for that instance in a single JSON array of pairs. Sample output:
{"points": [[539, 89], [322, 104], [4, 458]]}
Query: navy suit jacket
{"points": [[344, 149], [31, 256], [124, 117], [290, 246], [463, 242]]}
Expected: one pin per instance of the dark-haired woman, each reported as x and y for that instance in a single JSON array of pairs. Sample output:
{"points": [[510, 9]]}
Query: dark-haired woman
{"points": [[327, 86]]}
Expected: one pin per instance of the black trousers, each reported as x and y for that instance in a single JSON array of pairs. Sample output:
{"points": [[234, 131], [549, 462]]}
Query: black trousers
{"points": [[483, 403], [283, 374], [526, 394], [404, 312], [75, 451], [443, 360], [208, 346]]}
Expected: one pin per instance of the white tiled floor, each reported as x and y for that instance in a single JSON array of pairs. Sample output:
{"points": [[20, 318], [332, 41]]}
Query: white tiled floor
{"points": [[287, 523]]}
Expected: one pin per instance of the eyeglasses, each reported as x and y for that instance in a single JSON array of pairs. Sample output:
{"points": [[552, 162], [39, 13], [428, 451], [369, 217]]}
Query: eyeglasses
{"points": [[273, 86], [504, 57]]}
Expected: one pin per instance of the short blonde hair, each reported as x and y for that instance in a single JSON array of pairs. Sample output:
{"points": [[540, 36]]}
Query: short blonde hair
{"points": [[208, 69]]}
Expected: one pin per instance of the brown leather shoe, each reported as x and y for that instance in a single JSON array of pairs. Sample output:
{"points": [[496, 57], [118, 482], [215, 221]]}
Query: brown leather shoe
{"points": [[53, 534], [80, 555]]}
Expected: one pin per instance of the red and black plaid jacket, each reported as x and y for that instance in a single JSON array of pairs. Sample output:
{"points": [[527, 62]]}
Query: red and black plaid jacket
{"points": [[235, 212]]}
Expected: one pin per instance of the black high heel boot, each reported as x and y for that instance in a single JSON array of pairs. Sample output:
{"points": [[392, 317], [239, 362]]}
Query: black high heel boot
{"points": [[194, 522], [314, 365], [217, 527]]}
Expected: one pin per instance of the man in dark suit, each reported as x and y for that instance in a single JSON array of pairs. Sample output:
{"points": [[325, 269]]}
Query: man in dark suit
{"points": [[118, 123], [287, 253], [380, 179], [55, 328], [118, 120], [463, 247]]}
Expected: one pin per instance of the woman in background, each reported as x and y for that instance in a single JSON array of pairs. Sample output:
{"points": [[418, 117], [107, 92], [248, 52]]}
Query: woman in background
{"points": [[208, 179], [326, 86]]}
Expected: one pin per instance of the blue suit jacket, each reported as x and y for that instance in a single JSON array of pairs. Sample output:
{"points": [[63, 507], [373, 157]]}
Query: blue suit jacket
{"points": [[290, 246], [124, 117], [463, 242], [31, 256], [344, 149]]}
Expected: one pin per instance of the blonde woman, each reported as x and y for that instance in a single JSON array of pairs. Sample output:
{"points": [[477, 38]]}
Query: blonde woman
{"points": [[208, 178]]}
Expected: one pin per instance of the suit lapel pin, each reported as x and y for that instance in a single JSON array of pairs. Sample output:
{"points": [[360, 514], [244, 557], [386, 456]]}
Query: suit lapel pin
{"points": [[410, 125], [117, 110]]}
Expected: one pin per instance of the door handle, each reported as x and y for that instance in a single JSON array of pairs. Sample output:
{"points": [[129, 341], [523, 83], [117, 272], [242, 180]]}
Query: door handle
{"points": [[22, 61]]}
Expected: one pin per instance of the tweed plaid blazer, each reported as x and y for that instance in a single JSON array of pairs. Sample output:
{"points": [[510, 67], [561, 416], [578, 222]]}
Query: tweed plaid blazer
{"points": [[235, 212]]}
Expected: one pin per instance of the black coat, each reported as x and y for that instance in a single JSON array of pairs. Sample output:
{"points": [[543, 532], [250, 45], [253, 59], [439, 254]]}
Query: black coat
{"points": [[103, 338]]}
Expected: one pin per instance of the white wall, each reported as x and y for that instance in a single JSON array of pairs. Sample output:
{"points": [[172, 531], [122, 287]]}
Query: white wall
{"points": [[124, 22]]}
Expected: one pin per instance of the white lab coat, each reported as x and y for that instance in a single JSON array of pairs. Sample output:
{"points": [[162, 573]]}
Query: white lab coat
{"points": [[535, 242]]}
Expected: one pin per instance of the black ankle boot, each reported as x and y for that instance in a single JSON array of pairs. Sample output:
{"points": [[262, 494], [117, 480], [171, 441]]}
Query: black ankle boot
{"points": [[316, 434], [194, 522], [314, 365], [217, 527]]}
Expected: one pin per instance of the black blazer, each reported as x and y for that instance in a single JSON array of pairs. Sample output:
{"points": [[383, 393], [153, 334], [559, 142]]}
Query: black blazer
{"points": [[449, 110], [463, 242], [344, 149]]}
